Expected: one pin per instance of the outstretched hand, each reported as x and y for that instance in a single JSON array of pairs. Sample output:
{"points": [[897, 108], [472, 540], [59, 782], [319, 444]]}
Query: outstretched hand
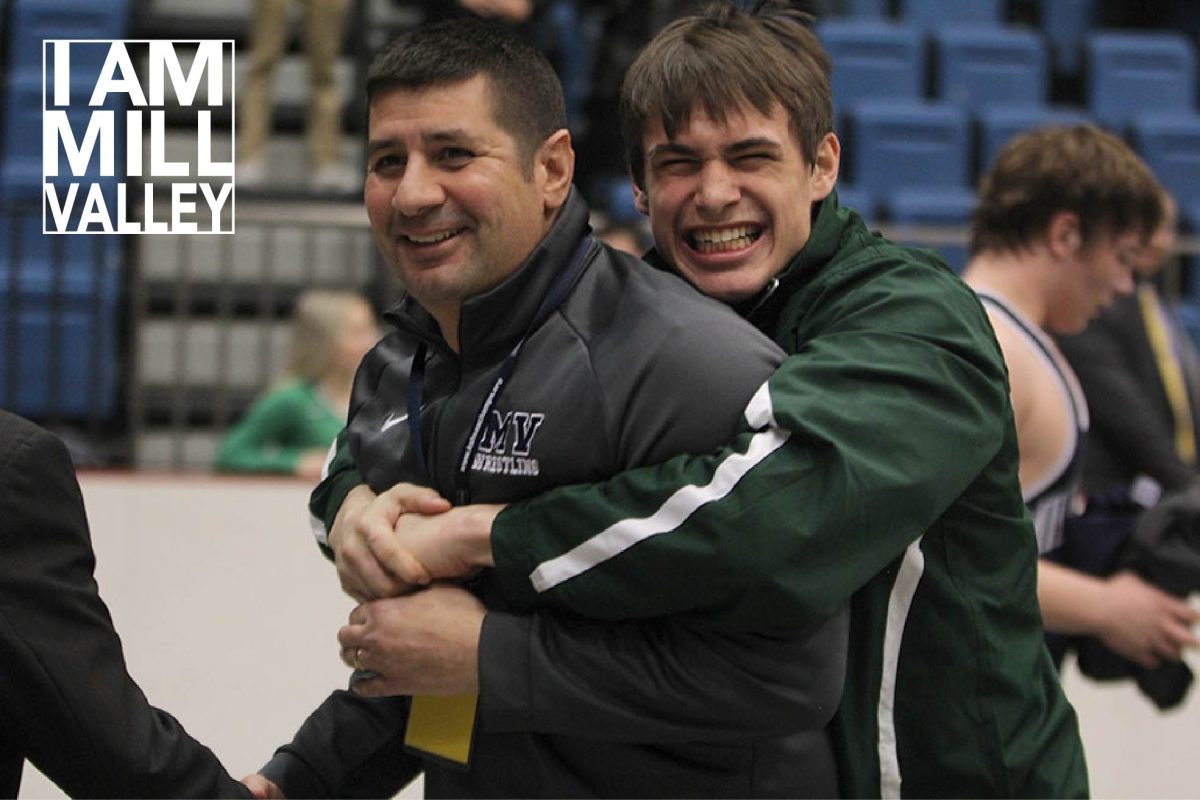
{"points": [[261, 788]]}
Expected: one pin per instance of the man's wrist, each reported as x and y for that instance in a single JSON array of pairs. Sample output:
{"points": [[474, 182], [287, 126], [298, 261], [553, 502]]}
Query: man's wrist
{"points": [[356, 497], [476, 533]]}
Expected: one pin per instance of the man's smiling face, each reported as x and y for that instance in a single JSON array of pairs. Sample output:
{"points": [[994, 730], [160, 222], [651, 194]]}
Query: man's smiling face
{"points": [[730, 203], [454, 204]]}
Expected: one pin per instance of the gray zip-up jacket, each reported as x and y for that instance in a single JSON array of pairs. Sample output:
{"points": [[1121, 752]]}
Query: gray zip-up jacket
{"points": [[632, 368]]}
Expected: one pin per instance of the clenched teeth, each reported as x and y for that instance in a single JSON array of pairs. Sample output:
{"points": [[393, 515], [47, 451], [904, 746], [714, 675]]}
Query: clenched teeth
{"points": [[720, 240]]}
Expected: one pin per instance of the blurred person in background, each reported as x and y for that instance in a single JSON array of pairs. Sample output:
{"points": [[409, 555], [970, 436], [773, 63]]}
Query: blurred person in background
{"points": [[1139, 371], [324, 25], [288, 430], [1138, 368], [1060, 226]]}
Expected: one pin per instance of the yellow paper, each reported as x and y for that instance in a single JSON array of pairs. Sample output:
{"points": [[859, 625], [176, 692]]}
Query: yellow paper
{"points": [[443, 726]]}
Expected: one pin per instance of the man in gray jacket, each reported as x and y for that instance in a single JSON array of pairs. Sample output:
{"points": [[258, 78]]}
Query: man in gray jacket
{"points": [[525, 356]]}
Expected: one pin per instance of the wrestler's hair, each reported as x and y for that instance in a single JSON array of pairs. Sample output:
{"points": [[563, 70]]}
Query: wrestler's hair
{"points": [[1081, 169]]}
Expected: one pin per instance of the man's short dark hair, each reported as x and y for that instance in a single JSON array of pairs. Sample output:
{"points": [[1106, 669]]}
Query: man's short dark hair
{"points": [[1080, 169], [527, 98], [723, 59]]}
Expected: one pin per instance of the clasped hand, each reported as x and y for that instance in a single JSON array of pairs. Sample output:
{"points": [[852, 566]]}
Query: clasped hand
{"points": [[402, 539], [414, 631]]}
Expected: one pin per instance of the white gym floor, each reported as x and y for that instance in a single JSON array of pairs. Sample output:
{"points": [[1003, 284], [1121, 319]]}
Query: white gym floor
{"points": [[229, 615]]}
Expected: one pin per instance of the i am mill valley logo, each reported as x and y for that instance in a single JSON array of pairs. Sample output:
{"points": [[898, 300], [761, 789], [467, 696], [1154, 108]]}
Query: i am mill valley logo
{"points": [[105, 136]]}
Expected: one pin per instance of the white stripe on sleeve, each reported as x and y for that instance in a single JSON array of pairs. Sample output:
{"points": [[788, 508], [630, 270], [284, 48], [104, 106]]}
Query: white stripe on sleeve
{"points": [[318, 525], [908, 577], [624, 534]]}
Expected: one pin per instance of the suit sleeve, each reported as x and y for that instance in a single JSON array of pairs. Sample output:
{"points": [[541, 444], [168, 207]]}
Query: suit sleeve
{"points": [[893, 403], [350, 746], [67, 698], [1118, 397]]}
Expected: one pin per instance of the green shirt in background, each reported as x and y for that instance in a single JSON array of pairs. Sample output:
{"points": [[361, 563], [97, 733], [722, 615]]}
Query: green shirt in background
{"points": [[278, 430]]}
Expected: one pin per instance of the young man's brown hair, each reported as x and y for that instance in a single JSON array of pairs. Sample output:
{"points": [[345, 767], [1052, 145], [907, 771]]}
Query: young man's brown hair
{"points": [[715, 61]]}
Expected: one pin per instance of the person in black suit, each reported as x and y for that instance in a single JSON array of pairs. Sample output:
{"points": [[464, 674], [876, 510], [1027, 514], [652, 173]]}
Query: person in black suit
{"points": [[1143, 436], [67, 702], [1138, 369]]}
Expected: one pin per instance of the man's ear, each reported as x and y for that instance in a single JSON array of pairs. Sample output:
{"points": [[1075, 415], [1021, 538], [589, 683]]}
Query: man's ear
{"points": [[554, 166], [1063, 234], [825, 166], [641, 200]]}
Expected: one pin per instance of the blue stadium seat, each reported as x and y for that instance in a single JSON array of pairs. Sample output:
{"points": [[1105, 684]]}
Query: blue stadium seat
{"points": [[998, 125], [873, 59], [34, 22], [859, 199], [1190, 214], [58, 320], [21, 157], [59, 295], [1066, 23], [21, 104], [977, 66], [866, 8], [942, 207], [906, 145], [1134, 73], [930, 14], [619, 201], [1170, 144]]}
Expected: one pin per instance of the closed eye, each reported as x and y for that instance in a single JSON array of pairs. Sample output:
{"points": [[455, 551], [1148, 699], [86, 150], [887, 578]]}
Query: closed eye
{"points": [[753, 159], [675, 164], [454, 156], [386, 162]]}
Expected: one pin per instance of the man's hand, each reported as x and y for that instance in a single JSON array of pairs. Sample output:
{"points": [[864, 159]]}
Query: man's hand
{"points": [[450, 545], [1144, 623], [262, 788], [426, 642], [370, 561]]}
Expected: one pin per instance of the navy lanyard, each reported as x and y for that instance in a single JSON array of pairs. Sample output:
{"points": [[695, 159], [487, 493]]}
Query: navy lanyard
{"points": [[416, 382]]}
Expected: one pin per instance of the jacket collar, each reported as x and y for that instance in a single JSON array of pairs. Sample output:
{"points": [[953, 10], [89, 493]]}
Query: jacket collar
{"points": [[497, 318]]}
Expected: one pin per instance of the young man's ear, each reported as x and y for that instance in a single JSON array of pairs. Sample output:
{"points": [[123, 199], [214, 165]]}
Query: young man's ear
{"points": [[641, 201], [825, 166], [554, 165], [1064, 236]]}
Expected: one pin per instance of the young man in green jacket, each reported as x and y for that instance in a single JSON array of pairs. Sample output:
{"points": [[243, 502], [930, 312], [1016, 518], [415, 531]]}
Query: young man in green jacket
{"points": [[883, 469], [526, 355]]}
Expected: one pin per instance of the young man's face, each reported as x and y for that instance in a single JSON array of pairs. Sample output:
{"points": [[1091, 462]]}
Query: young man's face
{"points": [[730, 203], [1161, 244], [451, 205], [1101, 270]]}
